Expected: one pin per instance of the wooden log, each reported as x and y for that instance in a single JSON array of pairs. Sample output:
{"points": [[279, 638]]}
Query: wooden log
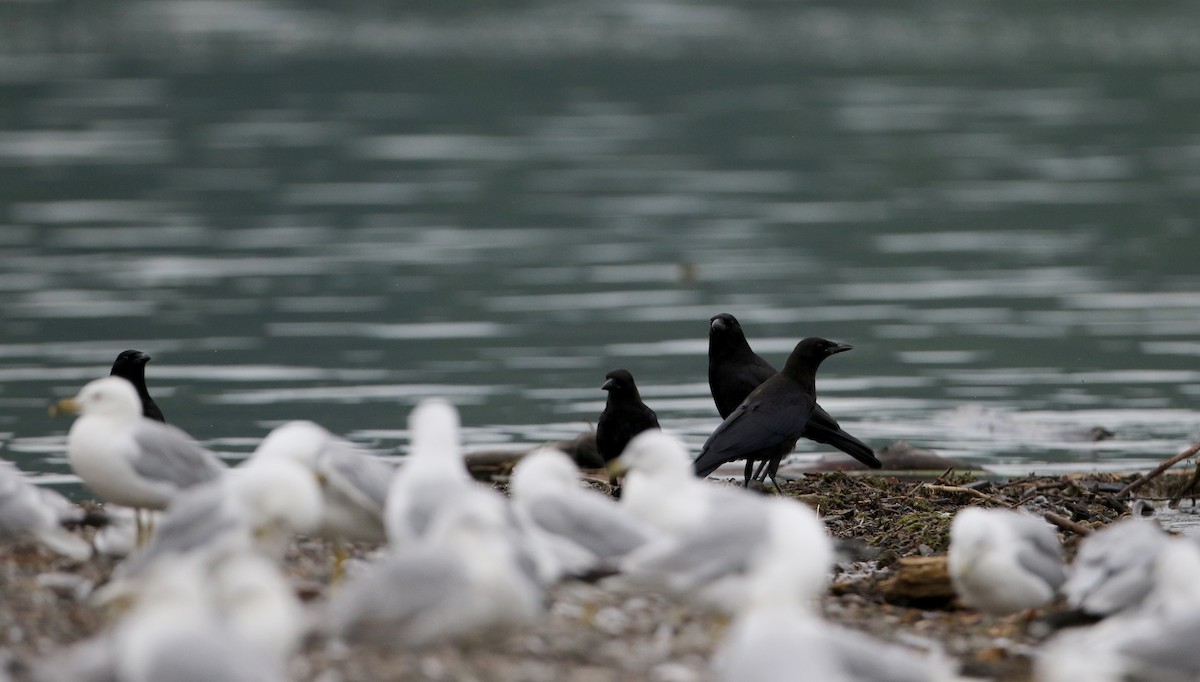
{"points": [[924, 580]]}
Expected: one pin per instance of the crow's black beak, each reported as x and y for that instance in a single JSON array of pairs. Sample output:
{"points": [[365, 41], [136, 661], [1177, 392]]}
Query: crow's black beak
{"points": [[718, 324], [609, 385], [840, 348]]}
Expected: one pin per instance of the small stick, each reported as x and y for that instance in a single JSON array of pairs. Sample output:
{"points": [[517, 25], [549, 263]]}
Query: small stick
{"points": [[1142, 480], [1025, 498], [1067, 524], [960, 489], [939, 479]]}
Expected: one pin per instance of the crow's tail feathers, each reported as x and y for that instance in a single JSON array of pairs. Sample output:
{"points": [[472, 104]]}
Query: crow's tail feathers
{"points": [[844, 442]]}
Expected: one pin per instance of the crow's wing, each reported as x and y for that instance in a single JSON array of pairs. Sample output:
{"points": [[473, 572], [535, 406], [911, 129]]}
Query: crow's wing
{"points": [[775, 413]]}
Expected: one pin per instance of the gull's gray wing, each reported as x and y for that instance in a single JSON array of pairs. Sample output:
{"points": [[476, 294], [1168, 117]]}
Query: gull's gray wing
{"points": [[598, 527], [1114, 567], [1040, 552], [194, 519], [167, 453], [89, 660], [1164, 649], [207, 654], [721, 546], [868, 659], [21, 510], [28, 510], [1049, 569], [395, 593], [359, 476]]}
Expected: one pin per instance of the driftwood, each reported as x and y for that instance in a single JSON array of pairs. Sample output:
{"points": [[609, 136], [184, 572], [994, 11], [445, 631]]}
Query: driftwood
{"points": [[1067, 524], [486, 464], [1158, 470], [919, 579]]}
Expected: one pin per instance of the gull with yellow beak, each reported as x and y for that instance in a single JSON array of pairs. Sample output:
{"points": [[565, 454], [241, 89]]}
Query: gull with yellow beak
{"points": [[127, 459]]}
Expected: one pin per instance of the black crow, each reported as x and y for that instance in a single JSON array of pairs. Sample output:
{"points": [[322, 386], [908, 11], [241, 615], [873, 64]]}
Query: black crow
{"points": [[767, 423], [131, 366], [734, 370], [624, 416]]}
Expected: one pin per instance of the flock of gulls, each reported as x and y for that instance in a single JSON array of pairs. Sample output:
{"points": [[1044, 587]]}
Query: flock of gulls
{"points": [[202, 594]]}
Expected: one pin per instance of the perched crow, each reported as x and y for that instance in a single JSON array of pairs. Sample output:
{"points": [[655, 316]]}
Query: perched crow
{"points": [[734, 371], [624, 416], [131, 366], [767, 423]]}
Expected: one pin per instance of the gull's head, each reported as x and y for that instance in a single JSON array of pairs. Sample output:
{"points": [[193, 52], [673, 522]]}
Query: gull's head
{"points": [[544, 469], [300, 441], [111, 397], [655, 453], [972, 533], [433, 428]]}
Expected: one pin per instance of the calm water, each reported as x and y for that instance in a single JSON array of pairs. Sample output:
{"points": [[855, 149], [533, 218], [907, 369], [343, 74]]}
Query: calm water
{"points": [[329, 215]]}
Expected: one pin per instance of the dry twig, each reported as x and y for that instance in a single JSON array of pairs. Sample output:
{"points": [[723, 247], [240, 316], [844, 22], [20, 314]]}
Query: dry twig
{"points": [[1067, 524], [968, 491], [1158, 470]]}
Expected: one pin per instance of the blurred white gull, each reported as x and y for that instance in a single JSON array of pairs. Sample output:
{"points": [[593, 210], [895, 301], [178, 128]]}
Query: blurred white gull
{"points": [[27, 510], [251, 593], [1128, 647], [707, 531], [353, 483], [127, 459], [706, 564], [1176, 590], [661, 487], [1114, 567], [257, 508], [769, 645], [235, 620], [118, 537], [1003, 561], [777, 637], [1154, 639], [431, 477], [570, 529], [464, 576]]}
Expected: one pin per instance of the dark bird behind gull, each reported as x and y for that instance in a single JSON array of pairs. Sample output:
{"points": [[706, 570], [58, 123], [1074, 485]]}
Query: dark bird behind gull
{"points": [[767, 424], [131, 366], [624, 416], [734, 371]]}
